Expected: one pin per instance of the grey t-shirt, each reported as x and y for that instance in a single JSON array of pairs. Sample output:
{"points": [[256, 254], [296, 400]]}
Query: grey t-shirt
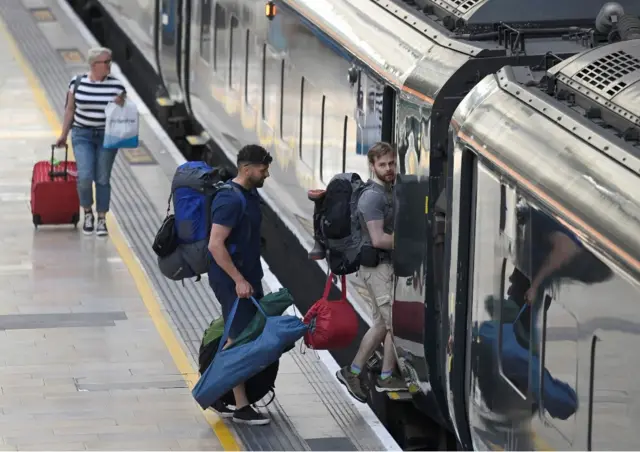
{"points": [[375, 203]]}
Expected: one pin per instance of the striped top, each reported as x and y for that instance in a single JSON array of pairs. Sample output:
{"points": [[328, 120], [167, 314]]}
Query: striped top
{"points": [[92, 98]]}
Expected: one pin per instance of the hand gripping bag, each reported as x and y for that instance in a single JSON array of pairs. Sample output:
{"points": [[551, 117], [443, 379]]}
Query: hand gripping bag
{"points": [[122, 125], [333, 324], [237, 364]]}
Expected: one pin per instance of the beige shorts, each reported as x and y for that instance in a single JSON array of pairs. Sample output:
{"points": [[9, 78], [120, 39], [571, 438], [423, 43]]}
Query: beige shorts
{"points": [[379, 283]]}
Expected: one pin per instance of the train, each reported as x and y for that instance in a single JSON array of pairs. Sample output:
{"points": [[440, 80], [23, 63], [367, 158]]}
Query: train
{"points": [[517, 127]]}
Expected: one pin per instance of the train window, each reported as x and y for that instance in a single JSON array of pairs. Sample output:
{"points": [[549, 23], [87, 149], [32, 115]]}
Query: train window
{"points": [[205, 30], [236, 49], [291, 106], [354, 162], [272, 82], [246, 66], [332, 141], [221, 43], [283, 68], [254, 71], [311, 127]]}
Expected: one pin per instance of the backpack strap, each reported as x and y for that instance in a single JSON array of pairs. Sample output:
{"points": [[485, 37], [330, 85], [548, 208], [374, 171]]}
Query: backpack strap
{"points": [[76, 84], [243, 201]]}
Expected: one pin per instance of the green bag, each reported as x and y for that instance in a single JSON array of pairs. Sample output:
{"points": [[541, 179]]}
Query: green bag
{"points": [[214, 331], [274, 303]]}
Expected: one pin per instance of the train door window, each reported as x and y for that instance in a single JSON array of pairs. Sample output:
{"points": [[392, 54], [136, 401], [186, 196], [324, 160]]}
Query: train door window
{"points": [[409, 133], [332, 141], [291, 106], [236, 51], [272, 78], [221, 42], [254, 71], [501, 382], [554, 327], [205, 31], [311, 127], [516, 346]]}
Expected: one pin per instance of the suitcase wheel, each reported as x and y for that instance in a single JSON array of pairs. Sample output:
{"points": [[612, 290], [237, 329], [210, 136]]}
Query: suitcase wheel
{"points": [[74, 220], [36, 220]]}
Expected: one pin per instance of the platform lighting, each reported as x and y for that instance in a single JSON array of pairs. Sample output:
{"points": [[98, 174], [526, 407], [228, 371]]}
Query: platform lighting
{"points": [[270, 10]]}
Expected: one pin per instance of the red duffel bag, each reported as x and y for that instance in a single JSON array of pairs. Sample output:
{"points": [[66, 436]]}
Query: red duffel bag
{"points": [[333, 324]]}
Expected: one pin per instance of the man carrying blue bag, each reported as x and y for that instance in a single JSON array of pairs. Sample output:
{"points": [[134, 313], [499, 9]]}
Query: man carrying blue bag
{"points": [[236, 279]]}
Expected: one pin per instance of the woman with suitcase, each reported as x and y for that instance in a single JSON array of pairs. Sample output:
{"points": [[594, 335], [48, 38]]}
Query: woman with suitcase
{"points": [[85, 118]]}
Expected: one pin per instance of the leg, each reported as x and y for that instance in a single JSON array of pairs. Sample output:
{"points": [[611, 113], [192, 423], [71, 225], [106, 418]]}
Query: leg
{"points": [[104, 165], [226, 295], [244, 314], [381, 284], [85, 155], [350, 375]]}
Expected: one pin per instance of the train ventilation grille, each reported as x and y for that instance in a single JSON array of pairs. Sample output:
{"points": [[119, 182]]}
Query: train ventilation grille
{"points": [[462, 5], [605, 73]]}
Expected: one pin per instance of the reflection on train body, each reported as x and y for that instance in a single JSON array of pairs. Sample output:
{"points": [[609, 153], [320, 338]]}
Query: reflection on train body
{"points": [[554, 328]]}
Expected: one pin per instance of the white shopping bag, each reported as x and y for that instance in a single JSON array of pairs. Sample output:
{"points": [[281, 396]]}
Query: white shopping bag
{"points": [[122, 128]]}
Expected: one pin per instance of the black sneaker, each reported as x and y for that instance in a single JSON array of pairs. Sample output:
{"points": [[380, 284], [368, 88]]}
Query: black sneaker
{"points": [[247, 415], [353, 384], [87, 227], [101, 228], [223, 410]]}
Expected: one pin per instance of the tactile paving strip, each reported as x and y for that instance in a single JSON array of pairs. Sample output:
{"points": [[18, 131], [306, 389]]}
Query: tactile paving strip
{"points": [[191, 306]]}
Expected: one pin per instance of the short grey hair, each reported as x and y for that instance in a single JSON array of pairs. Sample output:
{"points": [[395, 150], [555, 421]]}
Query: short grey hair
{"points": [[95, 52]]}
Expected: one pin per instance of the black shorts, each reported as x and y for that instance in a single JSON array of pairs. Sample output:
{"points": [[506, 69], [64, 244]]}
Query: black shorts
{"points": [[226, 295]]}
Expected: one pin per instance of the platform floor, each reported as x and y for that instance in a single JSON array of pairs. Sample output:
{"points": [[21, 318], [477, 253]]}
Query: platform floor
{"points": [[98, 349]]}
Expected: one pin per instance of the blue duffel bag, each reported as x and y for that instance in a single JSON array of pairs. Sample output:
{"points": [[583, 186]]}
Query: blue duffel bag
{"points": [[234, 365]]}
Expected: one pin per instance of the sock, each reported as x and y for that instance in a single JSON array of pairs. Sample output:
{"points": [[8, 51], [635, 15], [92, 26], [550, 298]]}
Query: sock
{"points": [[385, 374], [355, 369]]}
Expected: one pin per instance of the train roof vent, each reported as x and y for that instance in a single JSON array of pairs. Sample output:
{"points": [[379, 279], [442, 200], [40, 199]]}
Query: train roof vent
{"points": [[606, 77], [459, 7], [607, 74]]}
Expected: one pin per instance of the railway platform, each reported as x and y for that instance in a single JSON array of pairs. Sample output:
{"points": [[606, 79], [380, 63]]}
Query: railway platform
{"points": [[99, 350]]}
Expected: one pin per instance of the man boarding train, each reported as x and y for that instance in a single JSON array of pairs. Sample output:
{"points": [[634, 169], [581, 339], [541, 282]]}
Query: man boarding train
{"points": [[240, 275]]}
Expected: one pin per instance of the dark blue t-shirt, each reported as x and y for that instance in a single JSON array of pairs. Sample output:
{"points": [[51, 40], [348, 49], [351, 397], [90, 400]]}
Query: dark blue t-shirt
{"points": [[243, 243]]}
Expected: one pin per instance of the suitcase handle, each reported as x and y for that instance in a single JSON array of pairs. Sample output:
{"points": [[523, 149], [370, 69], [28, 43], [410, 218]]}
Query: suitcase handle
{"points": [[65, 173]]}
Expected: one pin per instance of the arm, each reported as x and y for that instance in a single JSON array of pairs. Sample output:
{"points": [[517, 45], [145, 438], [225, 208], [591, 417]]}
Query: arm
{"points": [[379, 238], [226, 213], [218, 249], [563, 249], [371, 206], [68, 118]]}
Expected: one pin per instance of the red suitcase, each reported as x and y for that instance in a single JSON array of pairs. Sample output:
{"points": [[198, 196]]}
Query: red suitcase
{"points": [[54, 193]]}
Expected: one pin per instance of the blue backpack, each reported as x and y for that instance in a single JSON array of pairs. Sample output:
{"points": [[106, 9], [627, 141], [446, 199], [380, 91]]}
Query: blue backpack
{"points": [[194, 186]]}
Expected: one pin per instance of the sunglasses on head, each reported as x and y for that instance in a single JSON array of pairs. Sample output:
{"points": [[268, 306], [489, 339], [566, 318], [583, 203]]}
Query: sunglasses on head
{"points": [[266, 160]]}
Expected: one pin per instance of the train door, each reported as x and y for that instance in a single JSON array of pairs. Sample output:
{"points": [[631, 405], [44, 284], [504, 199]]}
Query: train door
{"points": [[416, 327], [168, 45]]}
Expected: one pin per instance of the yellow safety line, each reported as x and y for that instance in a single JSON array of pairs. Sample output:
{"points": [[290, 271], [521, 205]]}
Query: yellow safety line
{"points": [[136, 270]]}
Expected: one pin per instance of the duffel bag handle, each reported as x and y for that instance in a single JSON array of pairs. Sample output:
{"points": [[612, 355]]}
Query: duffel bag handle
{"points": [[232, 314], [327, 286]]}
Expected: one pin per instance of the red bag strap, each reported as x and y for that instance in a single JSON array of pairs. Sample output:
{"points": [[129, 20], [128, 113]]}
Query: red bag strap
{"points": [[327, 286]]}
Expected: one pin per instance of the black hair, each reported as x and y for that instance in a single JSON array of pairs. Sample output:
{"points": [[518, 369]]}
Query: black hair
{"points": [[254, 154]]}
